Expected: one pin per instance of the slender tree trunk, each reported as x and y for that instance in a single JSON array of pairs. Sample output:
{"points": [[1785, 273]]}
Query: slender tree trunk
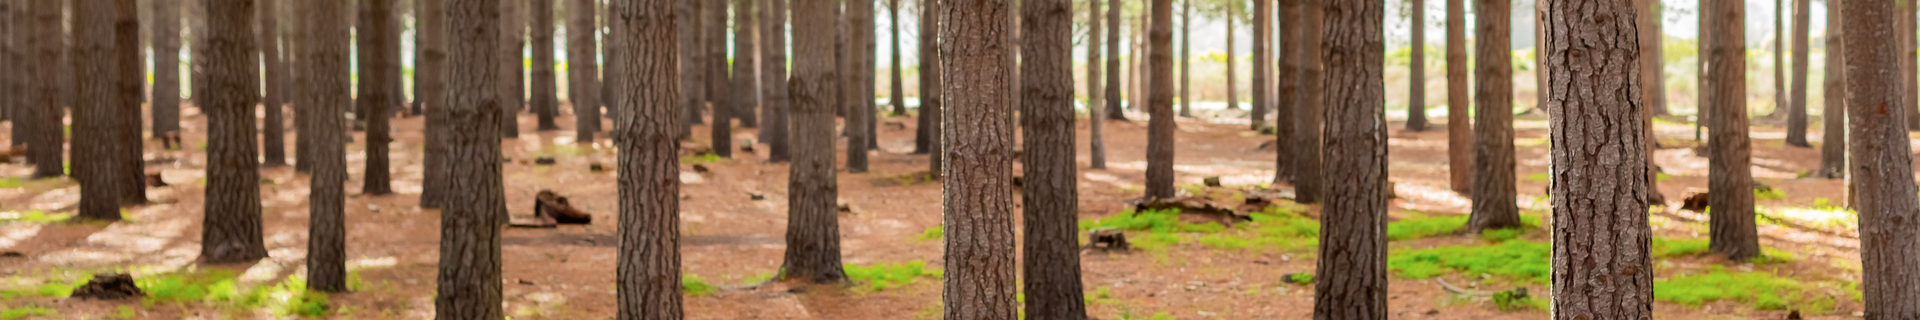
{"points": [[721, 132], [1100, 88], [46, 145], [813, 223], [1287, 97], [774, 69], [1905, 34], [326, 94], [1882, 169], [1352, 276], [583, 84], [166, 68], [869, 82], [745, 94], [1262, 45], [468, 284], [649, 268], [232, 225], [978, 188], [1113, 85], [1493, 159], [96, 140], [931, 83], [1833, 137], [1730, 176], [1233, 96], [512, 32], [432, 90], [1186, 50], [897, 92], [1417, 89], [1701, 109], [840, 105], [274, 130], [1648, 36], [1780, 98], [545, 99], [1160, 101], [1459, 119], [17, 23], [693, 62], [1052, 262], [379, 94], [1797, 111], [1308, 108], [1601, 266], [1659, 56], [1137, 64], [128, 82], [855, 85]]}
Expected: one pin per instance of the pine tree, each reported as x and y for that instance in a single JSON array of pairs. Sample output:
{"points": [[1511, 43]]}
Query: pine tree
{"points": [[46, 140], [1100, 90], [231, 232], [468, 285], [856, 86], [1882, 168], [1459, 120], [432, 28], [1308, 106], [721, 98], [1493, 159], [978, 188], [746, 93], [774, 74], [583, 85], [96, 123], [1797, 108], [325, 94], [376, 61], [166, 71], [1052, 262], [1262, 48], [1160, 125], [1833, 109], [1351, 281], [513, 32], [128, 86], [275, 77], [545, 99], [1417, 85], [649, 267], [1730, 177], [813, 221], [897, 91]]}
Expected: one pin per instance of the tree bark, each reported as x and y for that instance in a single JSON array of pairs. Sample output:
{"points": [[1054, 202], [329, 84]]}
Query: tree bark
{"points": [[17, 22], [1833, 137], [649, 270], [1493, 159], [1601, 265], [232, 224], [746, 95], [1659, 56], [128, 83], [693, 63], [1233, 91], [1114, 85], [1797, 111], [432, 28], [1701, 108], [1905, 28], [1287, 97], [1052, 263], [1780, 98], [326, 96], [1417, 89], [1262, 48], [513, 32], [1648, 35], [857, 86], [1730, 177], [1098, 86], [897, 91], [932, 84], [978, 193], [1352, 271], [1881, 171], [774, 70], [545, 99], [1160, 125], [274, 130], [46, 144], [96, 140], [166, 70], [468, 284], [1186, 50], [1459, 119], [378, 92], [1308, 109], [813, 226], [583, 80], [721, 130]]}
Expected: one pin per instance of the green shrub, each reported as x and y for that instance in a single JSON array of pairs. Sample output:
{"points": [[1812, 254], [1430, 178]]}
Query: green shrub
{"points": [[1519, 260]]}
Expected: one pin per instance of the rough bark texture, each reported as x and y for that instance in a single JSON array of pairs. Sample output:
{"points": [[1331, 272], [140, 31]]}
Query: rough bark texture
{"points": [[583, 80], [1262, 52], [1797, 108], [648, 285], [376, 61], [1052, 263], [977, 191], [545, 99], [1655, 50], [1905, 28], [231, 231], [468, 284], [432, 25], [166, 71], [1729, 165], [1882, 169], [1286, 98], [1459, 119], [722, 97], [128, 86], [933, 84], [896, 91], [1833, 110], [693, 81], [1160, 126], [1233, 90], [1096, 85], [1186, 50], [1601, 265], [1352, 273], [512, 34], [1493, 163], [1114, 85], [1308, 104], [813, 221], [858, 86], [46, 139], [1780, 97], [774, 72], [746, 93], [96, 145], [274, 131], [326, 96], [1417, 71], [14, 22]]}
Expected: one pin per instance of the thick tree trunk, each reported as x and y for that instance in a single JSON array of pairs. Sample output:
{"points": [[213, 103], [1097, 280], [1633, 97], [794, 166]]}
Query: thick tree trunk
{"points": [[1459, 119], [96, 140], [1160, 125], [128, 84], [1493, 159], [583, 80], [1308, 109], [856, 85], [1287, 97], [1352, 273], [1114, 85], [47, 140], [649, 268], [721, 130], [1882, 168], [17, 22], [774, 72], [166, 70], [378, 90], [1417, 87], [1833, 137], [1601, 265], [1797, 111], [1052, 263], [813, 223], [432, 90], [1097, 85], [276, 70], [545, 99], [468, 284], [693, 62], [1730, 176], [746, 95], [897, 92], [232, 225], [325, 94], [513, 32], [978, 193], [1262, 48]]}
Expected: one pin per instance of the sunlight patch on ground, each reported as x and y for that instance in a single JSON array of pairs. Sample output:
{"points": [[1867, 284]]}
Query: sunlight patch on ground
{"points": [[1429, 198], [11, 234], [1764, 168], [264, 271], [1110, 179], [56, 199], [1440, 144]]}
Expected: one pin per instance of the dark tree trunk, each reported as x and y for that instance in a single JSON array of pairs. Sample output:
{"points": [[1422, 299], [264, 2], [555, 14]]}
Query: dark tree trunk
{"points": [[1286, 98], [840, 104], [857, 86], [1101, 91], [96, 140], [513, 32], [649, 267], [978, 188], [1833, 137], [46, 145], [746, 94], [1601, 266], [17, 22], [1730, 176], [721, 132], [274, 130], [1233, 96], [813, 223], [545, 99], [1308, 109], [1780, 98], [1648, 36], [1797, 111], [1701, 108], [1493, 160], [932, 84], [693, 62], [432, 27], [897, 92], [326, 97], [1904, 32], [1352, 274], [231, 232], [1459, 120], [1160, 102], [1262, 48], [1882, 168], [1052, 263], [1114, 85], [468, 285], [128, 82], [774, 76], [868, 68], [1417, 86], [583, 85], [1186, 50], [376, 90], [1658, 56], [166, 67]]}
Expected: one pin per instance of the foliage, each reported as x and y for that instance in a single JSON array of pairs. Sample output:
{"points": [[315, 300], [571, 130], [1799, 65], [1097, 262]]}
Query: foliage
{"points": [[1157, 221], [35, 216], [1520, 260], [27, 311], [1301, 278], [1760, 290], [1769, 194], [880, 277], [53, 288], [694, 285], [12, 183], [703, 158], [934, 233]]}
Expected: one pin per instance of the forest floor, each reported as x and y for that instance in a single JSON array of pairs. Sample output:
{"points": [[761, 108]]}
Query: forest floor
{"points": [[730, 241]]}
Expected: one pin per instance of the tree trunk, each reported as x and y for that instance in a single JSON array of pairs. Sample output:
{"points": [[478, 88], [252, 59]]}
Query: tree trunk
{"points": [[432, 28], [1601, 266], [1797, 111], [1417, 88], [1493, 159], [1648, 36], [1287, 97], [1833, 110], [856, 85], [232, 224], [978, 188], [1052, 263], [513, 32], [1233, 96], [745, 94], [1658, 56], [377, 91], [1186, 50], [1262, 44], [468, 284], [840, 105], [1730, 177], [1308, 109], [1780, 98], [1160, 102], [128, 84], [46, 145], [1097, 85], [721, 130], [1882, 171], [1905, 35], [583, 82], [813, 223], [774, 70], [1352, 276], [1700, 109], [693, 62], [326, 96], [897, 91], [649, 267], [545, 99], [1114, 85], [166, 70], [868, 68], [17, 24], [1459, 119], [931, 84], [274, 130], [96, 140]]}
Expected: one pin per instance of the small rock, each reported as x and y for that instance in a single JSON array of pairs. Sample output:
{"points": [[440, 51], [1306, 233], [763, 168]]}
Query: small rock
{"points": [[596, 167], [756, 196], [526, 282], [1213, 181], [545, 161]]}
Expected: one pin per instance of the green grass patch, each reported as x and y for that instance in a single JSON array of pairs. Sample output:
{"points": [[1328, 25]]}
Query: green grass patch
{"points": [[1661, 177], [1759, 290], [1156, 221], [1275, 227], [703, 158], [1409, 229], [289, 297], [694, 286], [1101, 295], [1301, 278], [934, 233], [27, 311], [1509, 301], [12, 183], [1663, 248], [1517, 260], [879, 277], [1769, 194], [35, 216], [1538, 177]]}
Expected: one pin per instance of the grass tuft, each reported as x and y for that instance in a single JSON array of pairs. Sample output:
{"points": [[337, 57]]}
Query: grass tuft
{"points": [[703, 158], [1427, 227], [880, 277], [1759, 290], [1519, 260], [27, 311], [934, 233], [694, 286]]}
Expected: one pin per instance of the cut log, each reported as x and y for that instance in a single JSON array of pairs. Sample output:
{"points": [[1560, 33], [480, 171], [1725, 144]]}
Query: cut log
{"points": [[555, 206]]}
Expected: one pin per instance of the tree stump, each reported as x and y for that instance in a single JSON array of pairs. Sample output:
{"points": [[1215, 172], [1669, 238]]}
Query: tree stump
{"points": [[108, 287], [551, 205], [1695, 202], [1107, 240]]}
